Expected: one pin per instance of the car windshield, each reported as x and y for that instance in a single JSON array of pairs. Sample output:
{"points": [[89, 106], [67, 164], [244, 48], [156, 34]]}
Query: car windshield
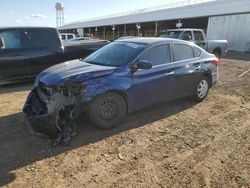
{"points": [[115, 54], [171, 34]]}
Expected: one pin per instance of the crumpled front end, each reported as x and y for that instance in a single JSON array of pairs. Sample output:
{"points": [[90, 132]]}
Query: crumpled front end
{"points": [[52, 111]]}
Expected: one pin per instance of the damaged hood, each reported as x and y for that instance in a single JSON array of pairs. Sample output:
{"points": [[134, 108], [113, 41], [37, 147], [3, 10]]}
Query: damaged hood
{"points": [[76, 70]]}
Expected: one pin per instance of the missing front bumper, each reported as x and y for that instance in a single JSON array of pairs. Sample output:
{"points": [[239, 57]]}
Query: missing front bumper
{"points": [[39, 121], [54, 115]]}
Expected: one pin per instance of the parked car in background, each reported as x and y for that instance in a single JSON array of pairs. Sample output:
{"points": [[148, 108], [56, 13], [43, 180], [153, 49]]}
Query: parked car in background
{"points": [[26, 51], [122, 77], [67, 36], [197, 36], [83, 38]]}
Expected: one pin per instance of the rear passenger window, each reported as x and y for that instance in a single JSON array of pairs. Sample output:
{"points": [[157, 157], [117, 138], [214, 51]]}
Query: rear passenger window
{"points": [[40, 39], [70, 37], [198, 36], [183, 52], [11, 39], [197, 52], [158, 55]]}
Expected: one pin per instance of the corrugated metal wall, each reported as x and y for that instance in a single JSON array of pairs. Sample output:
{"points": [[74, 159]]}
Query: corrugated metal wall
{"points": [[234, 28]]}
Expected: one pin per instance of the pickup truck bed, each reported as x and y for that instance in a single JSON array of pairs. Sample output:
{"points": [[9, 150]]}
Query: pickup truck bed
{"points": [[74, 50], [27, 51], [197, 36]]}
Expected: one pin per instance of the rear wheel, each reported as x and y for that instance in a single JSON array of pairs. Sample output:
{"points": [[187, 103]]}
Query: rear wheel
{"points": [[108, 111], [201, 90]]}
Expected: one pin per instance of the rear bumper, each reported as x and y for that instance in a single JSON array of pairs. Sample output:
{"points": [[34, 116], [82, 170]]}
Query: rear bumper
{"points": [[39, 121]]}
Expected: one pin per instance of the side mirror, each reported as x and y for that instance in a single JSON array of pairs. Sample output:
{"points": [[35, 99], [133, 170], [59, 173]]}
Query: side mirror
{"points": [[142, 64], [2, 45]]}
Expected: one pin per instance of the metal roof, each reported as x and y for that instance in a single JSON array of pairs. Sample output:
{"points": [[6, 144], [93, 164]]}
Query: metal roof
{"points": [[181, 10]]}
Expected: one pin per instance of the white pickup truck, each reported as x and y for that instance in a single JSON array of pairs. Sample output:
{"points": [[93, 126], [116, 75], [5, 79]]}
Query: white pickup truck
{"points": [[217, 47], [67, 36]]}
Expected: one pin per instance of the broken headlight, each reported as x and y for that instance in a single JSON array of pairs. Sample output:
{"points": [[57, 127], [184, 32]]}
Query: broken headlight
{"points": [[71, 87], [67, 89], [46, 89], [64, 91]]}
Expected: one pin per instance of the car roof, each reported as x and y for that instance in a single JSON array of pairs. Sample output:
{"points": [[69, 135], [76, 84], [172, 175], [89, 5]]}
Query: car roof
{"points": [[152, 40]]}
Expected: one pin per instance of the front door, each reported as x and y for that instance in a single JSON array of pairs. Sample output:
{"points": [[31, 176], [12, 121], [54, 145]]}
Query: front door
{"points": [[154, 85], [12, 61]]}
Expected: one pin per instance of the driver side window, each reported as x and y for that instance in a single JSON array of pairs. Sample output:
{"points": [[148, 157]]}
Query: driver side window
{"points": [[11, 39], [158, 55], [187, 35]]}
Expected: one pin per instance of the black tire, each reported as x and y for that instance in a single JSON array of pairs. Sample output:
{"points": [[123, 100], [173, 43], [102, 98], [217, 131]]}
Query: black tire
{"points": [[201, 90], [108, 111], [217, 54]]}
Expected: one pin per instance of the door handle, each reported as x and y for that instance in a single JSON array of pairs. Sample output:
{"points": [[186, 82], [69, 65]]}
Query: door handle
{"points": [[170, 73], [198, 67]]}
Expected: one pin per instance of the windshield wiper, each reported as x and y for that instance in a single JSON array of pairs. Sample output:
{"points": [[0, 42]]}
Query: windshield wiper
{"points": [[97, 63]]}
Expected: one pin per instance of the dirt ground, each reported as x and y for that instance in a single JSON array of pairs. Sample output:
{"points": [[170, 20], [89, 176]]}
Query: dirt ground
{"points": [[176, 144]]}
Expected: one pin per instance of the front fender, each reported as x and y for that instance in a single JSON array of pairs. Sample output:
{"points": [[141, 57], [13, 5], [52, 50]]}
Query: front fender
{"points": [[103, 85]]}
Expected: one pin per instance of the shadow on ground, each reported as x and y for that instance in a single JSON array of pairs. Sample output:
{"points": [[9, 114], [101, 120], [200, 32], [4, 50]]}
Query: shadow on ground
{"points": [[19, 149], [242, 56], [17, 87]]}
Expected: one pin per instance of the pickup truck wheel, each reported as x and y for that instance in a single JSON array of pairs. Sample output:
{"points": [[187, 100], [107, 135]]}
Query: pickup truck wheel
{"points": [[217, 54], [201, 90], [108, 111]]}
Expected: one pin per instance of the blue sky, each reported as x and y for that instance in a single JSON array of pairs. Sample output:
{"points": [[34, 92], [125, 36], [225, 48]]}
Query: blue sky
{"points": [[42, 12]]}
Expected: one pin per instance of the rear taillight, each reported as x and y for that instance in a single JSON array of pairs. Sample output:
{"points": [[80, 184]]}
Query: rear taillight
{"points": [[216, 61]]}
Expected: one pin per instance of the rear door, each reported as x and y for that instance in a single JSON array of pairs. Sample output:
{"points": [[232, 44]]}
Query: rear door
{"points": [[187, 69], [154, 85], [199, 39], [42, 49], [12, 61]]}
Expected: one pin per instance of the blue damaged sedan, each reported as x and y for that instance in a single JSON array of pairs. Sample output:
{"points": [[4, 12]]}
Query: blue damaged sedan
{"points": [[122, 77]]}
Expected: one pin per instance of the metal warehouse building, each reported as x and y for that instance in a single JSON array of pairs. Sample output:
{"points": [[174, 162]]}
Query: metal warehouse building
{"points": [[221, 19]]}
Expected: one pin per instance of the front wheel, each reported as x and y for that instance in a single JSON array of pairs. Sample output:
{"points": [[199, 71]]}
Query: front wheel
{"points": [[201, 90], [108, 111]]}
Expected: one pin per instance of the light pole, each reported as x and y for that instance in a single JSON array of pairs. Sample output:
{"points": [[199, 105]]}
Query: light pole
{"points": [[138, 26]]}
